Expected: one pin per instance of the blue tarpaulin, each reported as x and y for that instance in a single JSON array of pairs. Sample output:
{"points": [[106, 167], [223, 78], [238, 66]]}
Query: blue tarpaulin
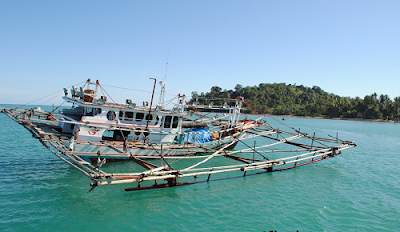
{"points": [[201, 135]]}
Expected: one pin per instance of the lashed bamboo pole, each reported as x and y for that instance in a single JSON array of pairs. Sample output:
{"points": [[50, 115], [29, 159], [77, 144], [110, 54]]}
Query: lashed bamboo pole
{"points": [[269, 132], [78, 161], [267, 151], [270, 145], [213, 171], [211, 156], [258, 164], [95, 174], [72, 164]]}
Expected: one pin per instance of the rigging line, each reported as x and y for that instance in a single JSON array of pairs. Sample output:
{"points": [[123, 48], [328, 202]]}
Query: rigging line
{"points": [[47, 95], [298, 131], [216, 98], [142, 133], [211, 156], [195, 110], [58, 106], [139, 90], [41, 104], [41, 98], [281, 132], [253, 149], [318, 130], [162, 157], [294, 129], [113, 114], [273, 118], [200, 115], [252, 109], [170, 101], [123, 135]]}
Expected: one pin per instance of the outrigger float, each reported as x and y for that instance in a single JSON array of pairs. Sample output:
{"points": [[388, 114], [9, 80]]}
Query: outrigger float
{"points": [[166, 145]]}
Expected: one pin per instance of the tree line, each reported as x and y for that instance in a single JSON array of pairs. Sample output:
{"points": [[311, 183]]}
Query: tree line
{"points": [[283, 99]]}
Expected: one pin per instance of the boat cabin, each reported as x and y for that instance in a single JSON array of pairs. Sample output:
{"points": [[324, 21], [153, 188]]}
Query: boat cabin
{"points": [[95, 120]]}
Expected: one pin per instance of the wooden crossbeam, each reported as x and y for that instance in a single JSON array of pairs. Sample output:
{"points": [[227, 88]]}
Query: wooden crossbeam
{"points": [[241, 159], [144, 163]]}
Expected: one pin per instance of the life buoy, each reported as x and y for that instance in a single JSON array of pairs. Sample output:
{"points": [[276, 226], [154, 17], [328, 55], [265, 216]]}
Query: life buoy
{"points": [[92, 132]]}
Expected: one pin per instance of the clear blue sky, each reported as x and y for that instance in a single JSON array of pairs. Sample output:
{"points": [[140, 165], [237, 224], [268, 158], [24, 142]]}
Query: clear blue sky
{"points": [[349, 48]]}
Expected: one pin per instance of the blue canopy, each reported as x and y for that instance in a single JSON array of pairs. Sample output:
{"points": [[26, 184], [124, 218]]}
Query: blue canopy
{"points": [[201, 135]]}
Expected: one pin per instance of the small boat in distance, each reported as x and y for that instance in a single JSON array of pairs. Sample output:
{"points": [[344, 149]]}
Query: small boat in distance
{"points": [[210, 108]]}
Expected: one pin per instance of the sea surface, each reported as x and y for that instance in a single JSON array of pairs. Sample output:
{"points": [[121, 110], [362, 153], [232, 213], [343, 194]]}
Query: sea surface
{"points": [[358, 190]]}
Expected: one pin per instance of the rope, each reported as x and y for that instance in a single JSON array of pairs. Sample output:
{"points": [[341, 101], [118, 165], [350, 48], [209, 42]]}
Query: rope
{"points": [[139, 90], [321, 133], [114, 114], [253, 149], [294, 129], [46, 96], [170, 101], [58, 107], [40, 98], [141, 132]]}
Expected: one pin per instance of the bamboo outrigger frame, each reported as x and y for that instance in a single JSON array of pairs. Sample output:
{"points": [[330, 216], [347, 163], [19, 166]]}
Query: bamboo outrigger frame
{"points": [[285, 150], [176, 161]]}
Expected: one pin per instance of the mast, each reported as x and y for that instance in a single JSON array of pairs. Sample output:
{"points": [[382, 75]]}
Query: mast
{"points": [[235, 112], [162, 95]]}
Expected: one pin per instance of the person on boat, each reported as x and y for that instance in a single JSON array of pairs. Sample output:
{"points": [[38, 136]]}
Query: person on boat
{"points": [[126, 144]]}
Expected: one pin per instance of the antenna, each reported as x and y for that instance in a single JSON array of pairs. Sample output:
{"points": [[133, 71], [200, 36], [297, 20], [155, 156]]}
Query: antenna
{"points": [[162, 83]]}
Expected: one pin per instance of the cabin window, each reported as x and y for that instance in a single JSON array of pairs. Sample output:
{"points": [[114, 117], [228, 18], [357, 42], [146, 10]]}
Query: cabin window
{"points": [[128, 115], [125, 115], [157, 119], [167, 121], [92, 111], [116, 135], [89, 111], [111, 115], [175, 122], [139, 116], [108, 135]]}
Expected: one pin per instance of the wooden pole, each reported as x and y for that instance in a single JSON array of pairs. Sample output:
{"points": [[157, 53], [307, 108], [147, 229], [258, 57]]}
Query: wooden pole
{"points": [[312, 141], [151, 103], [254, 151]]}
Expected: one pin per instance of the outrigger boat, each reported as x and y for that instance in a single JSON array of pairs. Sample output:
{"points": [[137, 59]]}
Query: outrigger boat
{"points": [[95, 129]]}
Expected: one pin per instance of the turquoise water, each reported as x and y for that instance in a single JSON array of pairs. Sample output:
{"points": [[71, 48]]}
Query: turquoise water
{"points": [[356, 191]]}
